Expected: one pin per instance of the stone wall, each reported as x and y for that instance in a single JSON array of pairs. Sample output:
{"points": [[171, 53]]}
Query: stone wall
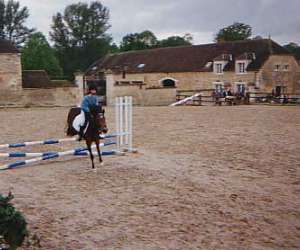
{"points": [[147, 89], [63, 96], [143, 94], [10, 71], [270, 78]]}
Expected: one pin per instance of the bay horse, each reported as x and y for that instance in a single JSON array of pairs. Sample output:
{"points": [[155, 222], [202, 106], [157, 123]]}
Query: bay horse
{"points": [[92, 131]]}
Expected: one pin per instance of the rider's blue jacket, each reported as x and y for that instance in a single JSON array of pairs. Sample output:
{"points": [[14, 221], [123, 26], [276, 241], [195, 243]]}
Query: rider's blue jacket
{"points": [[88, 102]]}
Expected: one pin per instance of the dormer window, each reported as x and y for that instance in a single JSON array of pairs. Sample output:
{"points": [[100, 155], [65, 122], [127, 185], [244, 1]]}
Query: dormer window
{"points": [[241, 66], [218, 67]]}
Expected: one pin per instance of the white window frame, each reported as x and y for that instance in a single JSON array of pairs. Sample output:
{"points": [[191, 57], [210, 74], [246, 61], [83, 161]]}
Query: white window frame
{"points": [[239, 83], [288, 67], [237, 68], [216, 63], [215, 84], [277, 68]]}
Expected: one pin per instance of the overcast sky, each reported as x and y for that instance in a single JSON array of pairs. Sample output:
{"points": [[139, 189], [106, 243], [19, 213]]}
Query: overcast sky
{"points": [[201, 18]]}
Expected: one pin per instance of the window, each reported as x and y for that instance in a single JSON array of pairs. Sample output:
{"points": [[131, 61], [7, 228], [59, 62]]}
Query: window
{"points": [[208, 64], [141, 65], [218, 68], [277, 67], [168, 83], [241, 67], [286, 67]]}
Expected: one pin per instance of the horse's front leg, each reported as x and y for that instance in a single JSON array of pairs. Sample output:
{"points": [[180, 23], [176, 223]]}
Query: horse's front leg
{"points": [[88, 144], [99, 151]]}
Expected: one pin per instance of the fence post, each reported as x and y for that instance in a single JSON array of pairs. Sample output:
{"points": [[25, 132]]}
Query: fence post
{"points": [[130, 124], [123, 116]]}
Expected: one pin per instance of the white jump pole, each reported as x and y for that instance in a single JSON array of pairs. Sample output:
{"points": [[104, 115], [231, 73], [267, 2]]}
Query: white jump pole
{"points": [[130, 124], [117, 123], [126, 120], [123, 111]]}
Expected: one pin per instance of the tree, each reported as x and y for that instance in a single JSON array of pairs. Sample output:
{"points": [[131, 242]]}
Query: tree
{"points": [[147, 40], [12, 22], [138, 41], [294, 49], [114, 48], [13, 226], [79, 35], [38, 55], [234, 32], [173, 41]]}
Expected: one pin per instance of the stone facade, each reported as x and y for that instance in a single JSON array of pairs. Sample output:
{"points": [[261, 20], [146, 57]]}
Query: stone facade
{"points": [[153, 76], [10, 71], [144, 93], [271, 76], [147, 88], [13, 95]]}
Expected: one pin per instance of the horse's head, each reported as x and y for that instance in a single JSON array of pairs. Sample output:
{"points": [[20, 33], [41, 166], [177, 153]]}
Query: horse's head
{"points": [[100, 120]]}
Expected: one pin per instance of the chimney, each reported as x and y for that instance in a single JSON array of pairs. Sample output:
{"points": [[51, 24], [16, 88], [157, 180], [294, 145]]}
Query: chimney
{"points": [[270, 45]]}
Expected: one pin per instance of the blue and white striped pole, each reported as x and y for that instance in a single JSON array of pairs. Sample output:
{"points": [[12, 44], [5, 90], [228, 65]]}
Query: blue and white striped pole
{"points": [[23, 154], [48, 142], [81, 152]]}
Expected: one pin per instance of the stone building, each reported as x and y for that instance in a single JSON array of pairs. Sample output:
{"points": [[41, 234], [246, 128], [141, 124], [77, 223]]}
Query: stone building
{"points": [[10, 66], [153, 76], [31, 88]]}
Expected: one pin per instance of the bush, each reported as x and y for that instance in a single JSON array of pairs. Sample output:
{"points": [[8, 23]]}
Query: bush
{"points": [[13, 226]]}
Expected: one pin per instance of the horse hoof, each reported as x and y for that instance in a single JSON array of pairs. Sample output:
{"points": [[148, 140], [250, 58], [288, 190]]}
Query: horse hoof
{"points": [[101, 164]]}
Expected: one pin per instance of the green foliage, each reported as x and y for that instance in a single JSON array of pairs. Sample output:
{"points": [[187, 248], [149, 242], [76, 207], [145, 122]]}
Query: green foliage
{"points": [[234, 32], [147, 40], [114, 48], [139, 41], [294, 49], [79, 35], [12, 223], [38, 55], [174, 41], [12, 22]]}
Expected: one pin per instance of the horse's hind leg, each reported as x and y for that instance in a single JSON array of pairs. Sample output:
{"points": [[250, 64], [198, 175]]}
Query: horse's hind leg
{"points": [[91, 153], [99, 152]]}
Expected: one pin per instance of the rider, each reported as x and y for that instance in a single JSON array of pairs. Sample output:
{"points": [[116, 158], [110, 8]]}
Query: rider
{"points": [[90, 101]]}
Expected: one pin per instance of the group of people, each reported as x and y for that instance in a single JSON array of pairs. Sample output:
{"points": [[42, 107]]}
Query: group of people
{"points": [[230, 97]]}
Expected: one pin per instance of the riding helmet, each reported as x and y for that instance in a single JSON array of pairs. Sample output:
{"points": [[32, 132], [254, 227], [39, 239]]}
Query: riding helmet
{"points": [[92, 86]]}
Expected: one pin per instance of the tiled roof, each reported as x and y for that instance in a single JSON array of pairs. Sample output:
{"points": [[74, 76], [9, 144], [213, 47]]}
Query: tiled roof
{"points": [[7, 47], [41, 79], [35, 79], [187, 58]]}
